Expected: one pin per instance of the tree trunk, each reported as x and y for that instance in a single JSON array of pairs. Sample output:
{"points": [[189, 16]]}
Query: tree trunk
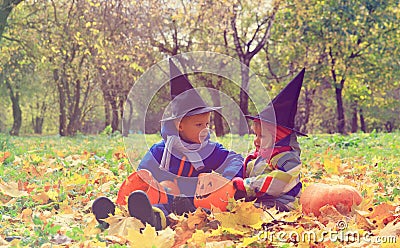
{"points": [[75, 117], [340, 111], [309, 102], [37, 124], [218, 122], [389, 126], [17, 113], [121, 114], [246, 51], [107, 113], [244, 97], [115, 116], [354, 119], [127, 118], [5, 9], [62, 128], [362, 122]]}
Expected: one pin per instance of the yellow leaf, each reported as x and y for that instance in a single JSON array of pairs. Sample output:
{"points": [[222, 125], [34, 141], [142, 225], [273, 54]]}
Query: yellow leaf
{"points": [[149, 238], [198, 237], [233, 231], [93, 243], [53, 195], [165, 238], [76, 179], [91, 228], [219, 244], [241, 215], [332, 165], [247, 241]]}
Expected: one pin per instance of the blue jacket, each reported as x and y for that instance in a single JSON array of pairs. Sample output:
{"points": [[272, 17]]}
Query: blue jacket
{"points": [[215, 158]]}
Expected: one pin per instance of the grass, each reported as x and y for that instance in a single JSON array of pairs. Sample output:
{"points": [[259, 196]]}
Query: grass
{"points": [[75, 169]]}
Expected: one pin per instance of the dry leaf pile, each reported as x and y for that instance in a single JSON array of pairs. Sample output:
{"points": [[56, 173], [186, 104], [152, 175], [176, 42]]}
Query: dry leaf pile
{"points": [[51, 207]]}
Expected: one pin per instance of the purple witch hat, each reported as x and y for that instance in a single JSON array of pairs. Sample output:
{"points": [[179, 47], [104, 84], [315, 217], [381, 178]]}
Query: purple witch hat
{"points": [[185, 100], [281, 111]]}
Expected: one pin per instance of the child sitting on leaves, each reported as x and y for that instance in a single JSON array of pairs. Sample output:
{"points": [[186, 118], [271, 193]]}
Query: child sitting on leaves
{"points": [[272, 173], [167, 175]]}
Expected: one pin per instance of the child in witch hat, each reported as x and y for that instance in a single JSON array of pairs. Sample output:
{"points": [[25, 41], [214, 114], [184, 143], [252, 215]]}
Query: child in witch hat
{"points": [[167, 175], [272, 173]]}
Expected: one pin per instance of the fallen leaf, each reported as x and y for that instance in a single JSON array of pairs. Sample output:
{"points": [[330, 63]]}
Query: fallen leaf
{"points": [[183, 233], [381, 212], [330, 214], [4, 156], [3, 242], [11, 189], [106, 187], [66, 208], [362, 221], [116, 239], [41, 197], [91, 227], [26, 215], [119, 225], [92, 243], [219, 244], [197, 219], [198, 237], [242, 215], [224, 230], [149, 238], [392, 229], [332, 165], [248, 240]]}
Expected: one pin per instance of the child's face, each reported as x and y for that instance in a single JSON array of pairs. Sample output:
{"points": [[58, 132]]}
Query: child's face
{"points": [[265, 134], [194, 128], [268, 134]]}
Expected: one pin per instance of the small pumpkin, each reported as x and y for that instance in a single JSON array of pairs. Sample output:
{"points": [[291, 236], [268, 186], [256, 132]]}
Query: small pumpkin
{"points": [[142, 180], [213, 190], [317, 195], [171, 187]]}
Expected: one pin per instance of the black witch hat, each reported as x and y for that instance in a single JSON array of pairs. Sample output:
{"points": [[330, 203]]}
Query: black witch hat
{"points": [[282, 109], [185, 100]]}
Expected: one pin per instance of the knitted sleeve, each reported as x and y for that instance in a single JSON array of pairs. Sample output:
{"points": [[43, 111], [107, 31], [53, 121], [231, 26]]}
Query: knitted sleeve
{"points": [[274, 178]]}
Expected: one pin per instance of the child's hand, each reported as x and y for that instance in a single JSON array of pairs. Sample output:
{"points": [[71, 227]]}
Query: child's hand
{"points": [[240, 189]]}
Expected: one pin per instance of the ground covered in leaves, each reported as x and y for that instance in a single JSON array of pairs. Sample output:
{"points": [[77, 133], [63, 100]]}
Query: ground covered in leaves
{"points": [[48, 184]]}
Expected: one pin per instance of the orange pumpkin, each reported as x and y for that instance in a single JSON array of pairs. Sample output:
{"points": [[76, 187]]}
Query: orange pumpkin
{"points": [[170, 187], [142, 180], [317, 195], [213, 190]]}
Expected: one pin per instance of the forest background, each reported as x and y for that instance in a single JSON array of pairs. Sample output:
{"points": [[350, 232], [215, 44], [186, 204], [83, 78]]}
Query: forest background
{"points": [[67, 67]]}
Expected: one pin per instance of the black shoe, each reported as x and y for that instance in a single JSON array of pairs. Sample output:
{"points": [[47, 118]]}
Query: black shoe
{"points": [[101, 209], [139, 207], [181, 205]]}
